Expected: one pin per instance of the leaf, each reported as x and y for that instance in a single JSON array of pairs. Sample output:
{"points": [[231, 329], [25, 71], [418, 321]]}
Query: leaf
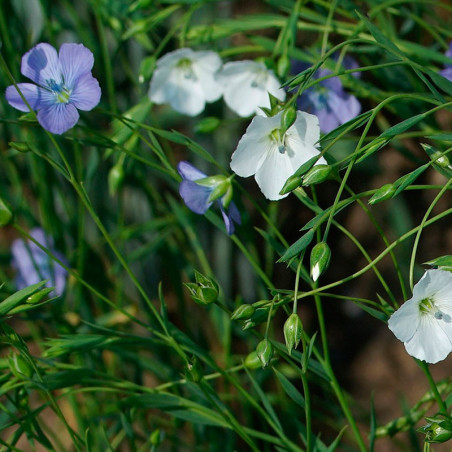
{"points": [[289, 388], [408, 179], [17, 298], [402, 126], [442, 263], [296, 248], [353, 124], [440, 81]]}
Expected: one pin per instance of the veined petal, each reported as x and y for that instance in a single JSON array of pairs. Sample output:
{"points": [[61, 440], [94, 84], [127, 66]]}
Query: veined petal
{"points": [[230, 217], [58, 118], [447, 73], [405, 321], [189, 172], [327, 119], [32, 93], [195, 196], [86, 93], [75, 60], [424, 287], [273, 173], [305, 129], [171, 59], [205, 65], [298, 152], [254, 145], [41, 64], [345, 107], [430, 343]]}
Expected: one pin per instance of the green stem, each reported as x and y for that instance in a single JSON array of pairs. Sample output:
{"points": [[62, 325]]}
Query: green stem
{"points": [[442, 406]]}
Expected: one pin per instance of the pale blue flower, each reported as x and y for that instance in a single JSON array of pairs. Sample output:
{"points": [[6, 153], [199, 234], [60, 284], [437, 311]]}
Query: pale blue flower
{"points": [[64, 83], [447, 72]]}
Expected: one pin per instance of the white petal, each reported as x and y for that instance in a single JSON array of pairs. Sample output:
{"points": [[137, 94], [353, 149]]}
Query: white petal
{"points": [[430, 343], [274, 86], [306, 127], [404, 322], [273, 174], [254, 145], [298, 152]]}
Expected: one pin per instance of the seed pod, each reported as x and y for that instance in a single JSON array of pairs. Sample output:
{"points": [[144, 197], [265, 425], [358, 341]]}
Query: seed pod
{"points": [[115, 179], [204, 291], [291, 184], [287, 119], [19, 146], [252, 361]]}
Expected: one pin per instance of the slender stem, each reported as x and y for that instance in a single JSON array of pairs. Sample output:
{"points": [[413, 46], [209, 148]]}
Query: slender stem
{"points": [[442, 406]]}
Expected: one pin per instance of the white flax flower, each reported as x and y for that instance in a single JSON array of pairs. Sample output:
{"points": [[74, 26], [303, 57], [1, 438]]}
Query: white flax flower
{"points": [[246, 85], [424, 322], [274, 156], [185, 80]]}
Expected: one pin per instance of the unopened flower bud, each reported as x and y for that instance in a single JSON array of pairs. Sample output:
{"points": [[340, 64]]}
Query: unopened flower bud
{"points": [[292, 332], [193, 370], [38, 296], [287, 119], [115, 178], [245, 311], [6, 215], [252, 361], [320, 259], [291, 184], [317, 174], [19, 366], [382, 194], [438, 429], [204, 291], [207, 125], [283, 66], [264, 351], [440, 159], [227, 198]]}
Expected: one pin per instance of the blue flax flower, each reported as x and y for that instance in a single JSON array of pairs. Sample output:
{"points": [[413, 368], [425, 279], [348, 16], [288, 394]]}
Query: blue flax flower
{"points": [[33, 265], [328, 100], [196, 190], [447, 72], [64, 83]]}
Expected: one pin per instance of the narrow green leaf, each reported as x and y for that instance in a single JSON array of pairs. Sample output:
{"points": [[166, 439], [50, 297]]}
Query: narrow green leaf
{"points": [[289, 388], [408, 179], [403, 126], [301, 244], [15, 299]]}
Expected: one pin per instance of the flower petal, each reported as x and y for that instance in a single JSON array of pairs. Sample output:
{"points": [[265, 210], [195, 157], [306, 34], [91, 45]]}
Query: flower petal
{"points": [[32, 93], [58, 118], [205, 65], [254, 145], [404, 322], [273, 173], [306, 128], [86, 93], [345, 107], [195, 196], [230, 217], [41, 64], [75, 60], [447, 73], [430, 343], [188, 171]]}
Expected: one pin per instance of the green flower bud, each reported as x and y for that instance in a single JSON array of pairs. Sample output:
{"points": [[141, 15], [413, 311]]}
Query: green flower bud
{"points": [[155, 437], [438, 429], [252, 361], [227, 198], [6, 215], [207, 125], [115, 179], [320, 259], [38, 296], [283, 66], [288, 118], [292, 332], [244, 311], [19, 366], [193, 370], [264, 351], [220, 190], [440, 159], [382, 194], [19, 146], [205, 291], [291, 184], [260, 315], [317, 174]]}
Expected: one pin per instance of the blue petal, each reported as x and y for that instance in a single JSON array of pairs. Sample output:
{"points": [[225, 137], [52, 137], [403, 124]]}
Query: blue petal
{"points": [[195, 196], [231, 217], [31, 92], [75, 60], [86, 93], [447, 73], [189, 172], [58, 118], [41, 64]]}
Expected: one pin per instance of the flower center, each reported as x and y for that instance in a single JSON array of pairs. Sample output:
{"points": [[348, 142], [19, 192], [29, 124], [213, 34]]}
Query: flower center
{"points": [[186, 67], [279, 139], [59, 90], [428, 306]]}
